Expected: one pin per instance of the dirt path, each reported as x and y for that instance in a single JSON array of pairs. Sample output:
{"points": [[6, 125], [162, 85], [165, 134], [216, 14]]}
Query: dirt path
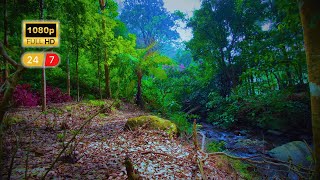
{"points": [[101, 147]]}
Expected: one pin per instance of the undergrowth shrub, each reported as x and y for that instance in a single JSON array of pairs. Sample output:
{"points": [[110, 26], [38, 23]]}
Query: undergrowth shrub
{"points": [[237, 165], [272, 110], [96, 102], [181, 120], [221, 111], [242, 168], [55, 95], [25, 96], [216, 146]]}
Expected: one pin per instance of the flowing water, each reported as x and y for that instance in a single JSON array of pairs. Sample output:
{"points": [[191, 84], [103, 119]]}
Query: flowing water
{"points": [[253, 142]]}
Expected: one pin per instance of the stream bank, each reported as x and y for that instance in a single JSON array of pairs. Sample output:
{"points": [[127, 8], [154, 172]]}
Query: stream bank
{"points": [[255, 142]]}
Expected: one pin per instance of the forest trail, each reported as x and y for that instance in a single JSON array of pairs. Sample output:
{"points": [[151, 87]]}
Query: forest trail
{"points": [[101, 147]]}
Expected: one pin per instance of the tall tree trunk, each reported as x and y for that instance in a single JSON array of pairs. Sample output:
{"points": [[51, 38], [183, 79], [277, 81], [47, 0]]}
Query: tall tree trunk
{"points": [[77, 72], [106, 66], [107, 79], [310, 13], [43, 74], [139, 100], [226, 81], [68, 76], [43, 89], [99, 77]]}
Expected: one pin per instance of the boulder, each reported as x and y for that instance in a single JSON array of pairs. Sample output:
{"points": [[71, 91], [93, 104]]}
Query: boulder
{"points": [[297, 151], [152, 122]]}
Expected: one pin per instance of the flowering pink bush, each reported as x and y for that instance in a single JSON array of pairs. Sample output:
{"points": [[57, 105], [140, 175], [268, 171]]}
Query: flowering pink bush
{"points": [[24, 96], [55, 95]]}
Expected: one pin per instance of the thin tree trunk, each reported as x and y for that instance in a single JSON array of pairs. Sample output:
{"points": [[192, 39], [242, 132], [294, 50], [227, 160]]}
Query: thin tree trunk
{"points": [[68, 76], [310, 13], [139, 100], [44, 91], [43, 74], [227, 82], [289, 75], [107, 79], [99, 77], [77, 72]]}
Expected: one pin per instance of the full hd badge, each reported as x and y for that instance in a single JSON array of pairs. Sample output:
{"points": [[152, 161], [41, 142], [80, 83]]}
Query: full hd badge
{"points": [[40, 33]]}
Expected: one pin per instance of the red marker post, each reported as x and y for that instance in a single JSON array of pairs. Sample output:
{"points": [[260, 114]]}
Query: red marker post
{"points": [[52, 60]]}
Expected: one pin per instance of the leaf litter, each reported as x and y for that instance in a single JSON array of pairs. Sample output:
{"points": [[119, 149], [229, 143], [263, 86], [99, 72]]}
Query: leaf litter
{"points": [[100, 149]]}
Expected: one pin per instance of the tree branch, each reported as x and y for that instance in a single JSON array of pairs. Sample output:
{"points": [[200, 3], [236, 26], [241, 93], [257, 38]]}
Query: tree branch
{"points": [[5, 55]]}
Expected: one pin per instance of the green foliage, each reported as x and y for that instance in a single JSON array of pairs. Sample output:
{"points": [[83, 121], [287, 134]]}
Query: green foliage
{"points": [[61, 137], [232, 71], [241, 168], [273, 110], [96, 102], [237, 165], [222, 110], [181, 120], [216, 146], [11, 120]]}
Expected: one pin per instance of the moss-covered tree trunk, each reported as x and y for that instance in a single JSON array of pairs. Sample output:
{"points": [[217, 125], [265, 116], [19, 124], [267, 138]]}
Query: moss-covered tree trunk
{"points": [[310, 19]]}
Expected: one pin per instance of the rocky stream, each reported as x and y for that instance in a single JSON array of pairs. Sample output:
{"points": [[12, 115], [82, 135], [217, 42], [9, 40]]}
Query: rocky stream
{"points": [[290, 146]]}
